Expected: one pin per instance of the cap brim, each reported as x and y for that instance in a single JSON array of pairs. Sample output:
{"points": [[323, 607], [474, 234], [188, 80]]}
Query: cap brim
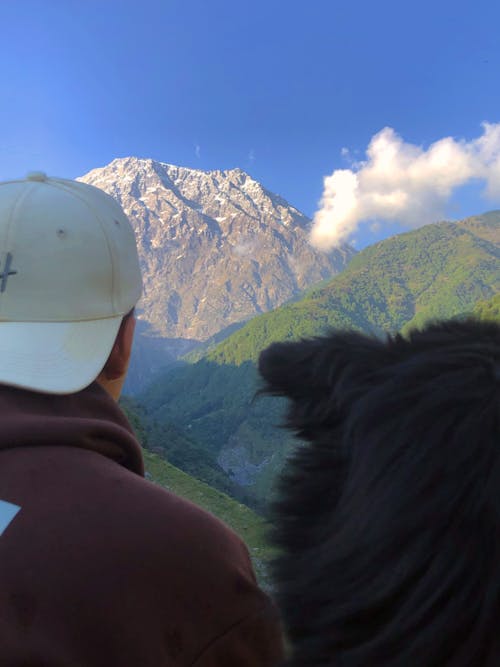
{"points": [[55, 357]]}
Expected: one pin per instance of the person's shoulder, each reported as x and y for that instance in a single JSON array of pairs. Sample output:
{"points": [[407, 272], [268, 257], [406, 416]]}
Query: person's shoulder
{"points": [[171, 519], [200, 570]]}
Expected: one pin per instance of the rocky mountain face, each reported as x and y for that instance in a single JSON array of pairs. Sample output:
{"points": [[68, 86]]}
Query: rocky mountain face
{"points": [[216, 248]]}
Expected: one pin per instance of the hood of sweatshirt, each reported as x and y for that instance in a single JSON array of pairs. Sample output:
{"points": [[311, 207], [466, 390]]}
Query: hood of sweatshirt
{"points": [[89, 419]]}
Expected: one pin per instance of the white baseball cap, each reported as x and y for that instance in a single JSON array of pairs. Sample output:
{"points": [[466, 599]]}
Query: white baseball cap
{"points": [[69, 272]]}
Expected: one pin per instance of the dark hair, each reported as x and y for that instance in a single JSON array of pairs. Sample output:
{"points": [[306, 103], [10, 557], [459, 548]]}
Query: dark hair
{"points": [[388, 518]]}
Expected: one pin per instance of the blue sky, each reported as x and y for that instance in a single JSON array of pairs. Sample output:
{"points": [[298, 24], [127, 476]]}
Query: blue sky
{"points": [[278, 88]]}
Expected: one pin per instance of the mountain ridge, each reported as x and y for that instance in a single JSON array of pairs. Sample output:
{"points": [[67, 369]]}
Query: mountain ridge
{"points": [[216, 247]]}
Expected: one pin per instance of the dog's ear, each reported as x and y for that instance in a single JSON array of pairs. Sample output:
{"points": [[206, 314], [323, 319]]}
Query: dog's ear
{"points": [[288, 368], [321, 376]]}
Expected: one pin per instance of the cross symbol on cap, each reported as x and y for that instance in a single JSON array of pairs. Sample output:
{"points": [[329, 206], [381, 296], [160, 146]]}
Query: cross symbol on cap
{"points": [[7, 272]]}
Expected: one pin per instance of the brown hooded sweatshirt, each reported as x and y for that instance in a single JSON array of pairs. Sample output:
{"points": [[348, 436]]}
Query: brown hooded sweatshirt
{"points": [[101, 568]]}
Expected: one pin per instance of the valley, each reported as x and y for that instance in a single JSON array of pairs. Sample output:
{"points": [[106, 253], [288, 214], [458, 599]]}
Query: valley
{"points": [[228, 270]]}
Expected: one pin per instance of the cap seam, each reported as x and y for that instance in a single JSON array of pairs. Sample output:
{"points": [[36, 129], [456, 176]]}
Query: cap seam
{"points": [[76, 194], [15, 207]]}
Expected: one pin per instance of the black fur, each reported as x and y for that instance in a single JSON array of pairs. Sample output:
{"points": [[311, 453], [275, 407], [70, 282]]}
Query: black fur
{"points": [[388, 521]]}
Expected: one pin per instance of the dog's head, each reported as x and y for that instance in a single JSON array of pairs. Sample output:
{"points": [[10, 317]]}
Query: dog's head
{"points": [[389, 518]]}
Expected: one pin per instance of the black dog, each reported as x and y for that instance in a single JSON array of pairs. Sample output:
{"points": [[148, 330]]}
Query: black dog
{"points": [[388, 521]]}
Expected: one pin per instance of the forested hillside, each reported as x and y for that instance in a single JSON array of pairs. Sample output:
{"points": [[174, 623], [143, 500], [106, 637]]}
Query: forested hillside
{"points": [[437, 271], [489, 309], [177, 446]]}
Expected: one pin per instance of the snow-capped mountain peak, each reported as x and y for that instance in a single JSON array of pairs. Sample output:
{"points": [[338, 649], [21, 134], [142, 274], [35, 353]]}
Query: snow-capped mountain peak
{"points": [[216, 247]]}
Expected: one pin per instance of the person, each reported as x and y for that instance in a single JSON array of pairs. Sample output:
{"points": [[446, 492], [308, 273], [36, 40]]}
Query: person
{"points": [[98, 566], [388, 514]]}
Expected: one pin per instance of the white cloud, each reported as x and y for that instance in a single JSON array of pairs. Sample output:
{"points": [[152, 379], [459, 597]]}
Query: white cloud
{"points": [[251, 155], [244, 249], [404, 183], [197, 150]]}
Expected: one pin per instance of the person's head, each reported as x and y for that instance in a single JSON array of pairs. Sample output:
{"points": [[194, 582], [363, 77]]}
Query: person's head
{"points": [[69, 281], [388, 518]]}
